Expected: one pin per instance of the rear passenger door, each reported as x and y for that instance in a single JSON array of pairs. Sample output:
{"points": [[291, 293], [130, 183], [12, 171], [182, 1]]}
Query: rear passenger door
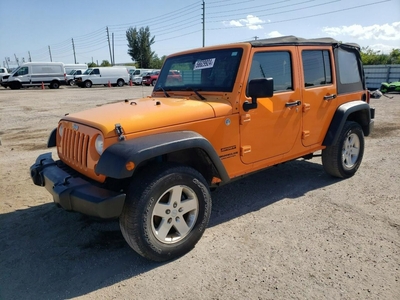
{"points": [[319, 92]]}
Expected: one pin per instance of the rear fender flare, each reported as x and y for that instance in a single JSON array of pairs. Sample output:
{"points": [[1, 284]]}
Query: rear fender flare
{"points": [[358, 111]]}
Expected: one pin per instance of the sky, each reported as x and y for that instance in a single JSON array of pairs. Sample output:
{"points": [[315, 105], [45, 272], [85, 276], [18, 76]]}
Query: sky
{"points": [[51, 30]]}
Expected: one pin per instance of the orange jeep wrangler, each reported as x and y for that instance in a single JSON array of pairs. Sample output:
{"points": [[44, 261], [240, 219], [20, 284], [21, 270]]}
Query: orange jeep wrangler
{"points": [[238, 108]]}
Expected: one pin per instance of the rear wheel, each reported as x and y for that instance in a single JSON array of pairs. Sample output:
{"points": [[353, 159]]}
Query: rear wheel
{"points": [[88, 84], [120, 83], [166, 212], [344, 158], [54, 85]]}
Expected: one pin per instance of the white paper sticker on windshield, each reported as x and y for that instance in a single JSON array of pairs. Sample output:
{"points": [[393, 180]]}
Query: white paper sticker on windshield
{"points": [[204, 64]]}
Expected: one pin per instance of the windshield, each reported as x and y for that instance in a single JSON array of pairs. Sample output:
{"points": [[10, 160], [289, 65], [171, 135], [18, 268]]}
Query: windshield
{"points": [[88, 71], [202, 71], [72, 72]]}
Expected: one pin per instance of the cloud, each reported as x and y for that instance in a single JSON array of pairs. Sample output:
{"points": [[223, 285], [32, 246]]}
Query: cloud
{"points": [[251, 22], [274, 34], [385, 32]]}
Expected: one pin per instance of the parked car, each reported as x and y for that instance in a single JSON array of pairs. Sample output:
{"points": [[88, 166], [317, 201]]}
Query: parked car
{"points": [[240, 108], [71, 67], [3, 72], [70, 77], [137, 75], [31, 74], [150, 78], [116, 76]]}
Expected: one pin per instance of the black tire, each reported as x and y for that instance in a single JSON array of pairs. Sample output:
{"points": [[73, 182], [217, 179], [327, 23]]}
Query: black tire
{"points": [[120, 83], [149, 221], [88, 84], [344, 158], [15, 85], [54, 85], [71, 82], [153, 82]]}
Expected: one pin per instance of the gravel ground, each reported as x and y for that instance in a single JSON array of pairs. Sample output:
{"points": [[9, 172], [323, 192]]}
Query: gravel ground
{"points": [[289, 232]]}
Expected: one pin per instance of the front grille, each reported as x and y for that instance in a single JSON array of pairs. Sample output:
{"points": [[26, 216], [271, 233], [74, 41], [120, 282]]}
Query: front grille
{"points": [[75, 145]]}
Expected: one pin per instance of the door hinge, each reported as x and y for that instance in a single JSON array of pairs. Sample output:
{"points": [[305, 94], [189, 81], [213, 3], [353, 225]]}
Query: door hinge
{"points": [[245, 149]]}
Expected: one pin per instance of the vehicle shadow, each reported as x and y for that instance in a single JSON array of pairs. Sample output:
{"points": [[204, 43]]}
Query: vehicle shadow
{"points": [[47, 253]]}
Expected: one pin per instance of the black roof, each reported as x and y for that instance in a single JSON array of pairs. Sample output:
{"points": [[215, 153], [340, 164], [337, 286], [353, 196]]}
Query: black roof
{"points": [[293, 40]]}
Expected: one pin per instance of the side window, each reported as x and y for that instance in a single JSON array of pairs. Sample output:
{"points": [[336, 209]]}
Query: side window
{"points": [[96, 71], [348, 67], [316, 67], [22, 71], [276, 65]]}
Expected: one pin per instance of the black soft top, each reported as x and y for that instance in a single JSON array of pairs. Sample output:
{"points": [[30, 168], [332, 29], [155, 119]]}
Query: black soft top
{"points": [[293, 40]]}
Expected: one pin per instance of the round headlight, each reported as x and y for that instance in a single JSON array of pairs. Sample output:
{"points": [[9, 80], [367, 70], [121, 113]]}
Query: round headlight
{"points": [[98, 144], [61, 130]]}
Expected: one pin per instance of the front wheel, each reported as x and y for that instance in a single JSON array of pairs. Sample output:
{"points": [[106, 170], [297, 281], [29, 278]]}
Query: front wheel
{"points": [[166, 212], [344, 158], [153, 82], [88, 84]]}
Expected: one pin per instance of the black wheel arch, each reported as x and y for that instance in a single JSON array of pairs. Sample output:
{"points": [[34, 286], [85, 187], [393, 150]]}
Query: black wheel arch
{"points": [[185, 147], [358, 111]]}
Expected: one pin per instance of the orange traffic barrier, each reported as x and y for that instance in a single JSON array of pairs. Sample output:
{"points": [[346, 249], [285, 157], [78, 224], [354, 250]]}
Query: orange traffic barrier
{"points": [[109, 83], [42, 85], [130, 82]]}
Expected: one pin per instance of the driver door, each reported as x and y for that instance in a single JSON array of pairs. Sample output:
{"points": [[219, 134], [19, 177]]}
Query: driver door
{"points": [[273, 127]]}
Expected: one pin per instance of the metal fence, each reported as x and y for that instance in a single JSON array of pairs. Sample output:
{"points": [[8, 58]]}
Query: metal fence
{"points": [[376, 74]]}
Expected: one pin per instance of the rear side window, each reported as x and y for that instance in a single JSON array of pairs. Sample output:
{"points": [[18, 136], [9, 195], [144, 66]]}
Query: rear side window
{"points": [[348, 67], [349, 70], [316, 68], [274, 64]]}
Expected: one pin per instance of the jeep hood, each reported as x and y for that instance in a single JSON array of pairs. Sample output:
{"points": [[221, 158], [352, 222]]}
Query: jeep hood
{"points": [[145, 114]]}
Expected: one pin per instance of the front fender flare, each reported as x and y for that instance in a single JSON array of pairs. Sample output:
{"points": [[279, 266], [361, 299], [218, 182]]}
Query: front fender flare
{"points": [[113, 161]]}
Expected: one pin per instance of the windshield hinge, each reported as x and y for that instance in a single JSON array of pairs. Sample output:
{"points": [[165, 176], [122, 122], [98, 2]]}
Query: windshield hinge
{"points": [[120, 132]]}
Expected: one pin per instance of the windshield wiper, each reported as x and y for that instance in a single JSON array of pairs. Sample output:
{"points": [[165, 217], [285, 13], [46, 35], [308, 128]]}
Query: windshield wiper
{"points": [[162, 89], [196, 92]]}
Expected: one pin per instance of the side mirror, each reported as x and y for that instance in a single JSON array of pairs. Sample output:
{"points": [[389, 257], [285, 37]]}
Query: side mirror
{"points": [[258, 88]]}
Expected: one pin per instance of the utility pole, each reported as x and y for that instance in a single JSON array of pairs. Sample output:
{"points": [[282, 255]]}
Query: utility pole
{"points": [[73, 49], [29, 55], [255, 38], [113, 53], [51, 59], [204, 23], [109, 45], [7, 60]]}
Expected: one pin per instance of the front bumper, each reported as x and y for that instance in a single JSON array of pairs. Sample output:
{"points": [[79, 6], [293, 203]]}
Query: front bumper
{"points": [[75, 193]]}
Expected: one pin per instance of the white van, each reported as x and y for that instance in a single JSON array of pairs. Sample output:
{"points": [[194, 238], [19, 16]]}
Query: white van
{"points": [[70, 77], [3, 72], [116, 76], [138, 74], [30, 74], [70, 67]]}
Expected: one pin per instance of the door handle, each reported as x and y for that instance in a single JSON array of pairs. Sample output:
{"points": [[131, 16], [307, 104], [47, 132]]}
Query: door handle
{"points": [[330, 97], [291, 104]]}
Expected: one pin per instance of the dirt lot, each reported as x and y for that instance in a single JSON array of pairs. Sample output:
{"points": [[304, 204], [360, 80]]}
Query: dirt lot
{"points": [[290, 232]]}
